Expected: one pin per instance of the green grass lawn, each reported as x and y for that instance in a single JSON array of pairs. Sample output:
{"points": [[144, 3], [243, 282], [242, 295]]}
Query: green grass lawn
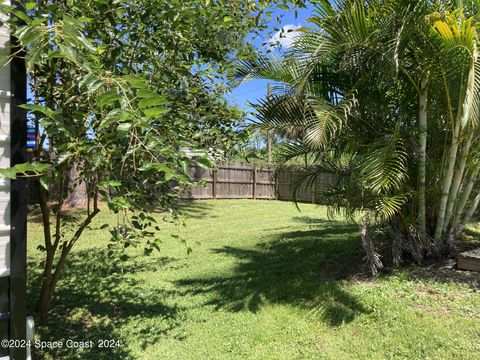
{"points": [[264, 281]]}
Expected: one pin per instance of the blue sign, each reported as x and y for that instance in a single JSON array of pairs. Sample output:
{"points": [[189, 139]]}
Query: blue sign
{"points": [[31, 138]]}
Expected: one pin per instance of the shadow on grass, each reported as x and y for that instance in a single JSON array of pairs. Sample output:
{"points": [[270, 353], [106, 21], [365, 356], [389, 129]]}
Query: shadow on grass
{"points": [[445, 275], [313, 221], [298, 268], [93, 301], [439, 271], [194, 209], [71, 215]]}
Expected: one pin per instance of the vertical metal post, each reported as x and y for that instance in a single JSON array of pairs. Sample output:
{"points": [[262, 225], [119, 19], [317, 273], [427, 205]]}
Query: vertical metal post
{"points": [[18, 203]]}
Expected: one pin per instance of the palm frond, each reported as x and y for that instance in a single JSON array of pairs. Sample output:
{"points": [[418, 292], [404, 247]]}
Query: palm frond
{"points": [[385, 168], [270, 68], [389, 206], [318, 119], [327, 122]]}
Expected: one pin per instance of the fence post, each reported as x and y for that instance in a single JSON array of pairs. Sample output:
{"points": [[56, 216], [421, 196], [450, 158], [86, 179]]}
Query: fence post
{"points": [[214, 184], [254, 184], [276, 190]]}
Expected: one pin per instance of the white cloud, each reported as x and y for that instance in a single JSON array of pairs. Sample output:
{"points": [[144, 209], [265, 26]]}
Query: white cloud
{"points": [[285, 36]]}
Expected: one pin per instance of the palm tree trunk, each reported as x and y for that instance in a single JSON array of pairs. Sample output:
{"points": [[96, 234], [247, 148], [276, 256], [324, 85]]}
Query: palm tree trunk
{"points": [[422, 157], [466, 194], [457, 181], [465, 106], [446, 184], [469, 214]]}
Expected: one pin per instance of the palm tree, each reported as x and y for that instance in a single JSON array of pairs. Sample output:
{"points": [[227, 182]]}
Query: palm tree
{"points": [[376, 90]]}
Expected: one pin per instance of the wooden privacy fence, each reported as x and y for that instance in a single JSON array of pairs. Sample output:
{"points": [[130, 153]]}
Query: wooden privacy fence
{"points": [[245, 181], [232, 181], [285, 179]]}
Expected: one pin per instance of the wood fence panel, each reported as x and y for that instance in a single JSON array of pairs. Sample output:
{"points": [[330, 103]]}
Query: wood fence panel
{"points": [[199, 192], [235, 181], [283, 185], [265, 184], [244, 181], [286, 178]]}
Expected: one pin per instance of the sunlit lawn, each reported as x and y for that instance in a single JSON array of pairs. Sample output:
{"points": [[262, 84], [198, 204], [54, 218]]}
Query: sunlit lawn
{"points": [[264, 281]]}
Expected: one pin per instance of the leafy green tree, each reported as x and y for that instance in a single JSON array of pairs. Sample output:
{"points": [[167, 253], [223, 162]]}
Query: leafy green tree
{"points": [[119, 88], [385, 95]]}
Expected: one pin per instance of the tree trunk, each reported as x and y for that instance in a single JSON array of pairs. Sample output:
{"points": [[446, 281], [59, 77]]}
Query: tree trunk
{"points": [[466, 195], [449, 192], [77, 194], [446, 184], [422, 156], [457, 182], [51, 277], [469, 214], [45, 297], [371, 256]]}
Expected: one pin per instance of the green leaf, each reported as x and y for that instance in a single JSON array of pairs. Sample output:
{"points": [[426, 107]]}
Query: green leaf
{"points": [[37, 22], [101, 49], [55, 54], [155, 112], [94, 86], [153, 101], [22, 16], [69, 52], [9, 173], [45, 110], [168, 173], [45, 182], [124, 127], [145, 93], [108, 98], [62, 158], [204, 162], [34, 167], [136, 81], [116, 115], [30, 5]]}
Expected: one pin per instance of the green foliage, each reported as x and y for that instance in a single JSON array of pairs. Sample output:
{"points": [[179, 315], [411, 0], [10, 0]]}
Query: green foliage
{"points": [[350, 92], [119, 89]]}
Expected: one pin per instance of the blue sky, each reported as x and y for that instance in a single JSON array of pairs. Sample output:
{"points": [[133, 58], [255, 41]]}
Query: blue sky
{"points": [[253, 90]]}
